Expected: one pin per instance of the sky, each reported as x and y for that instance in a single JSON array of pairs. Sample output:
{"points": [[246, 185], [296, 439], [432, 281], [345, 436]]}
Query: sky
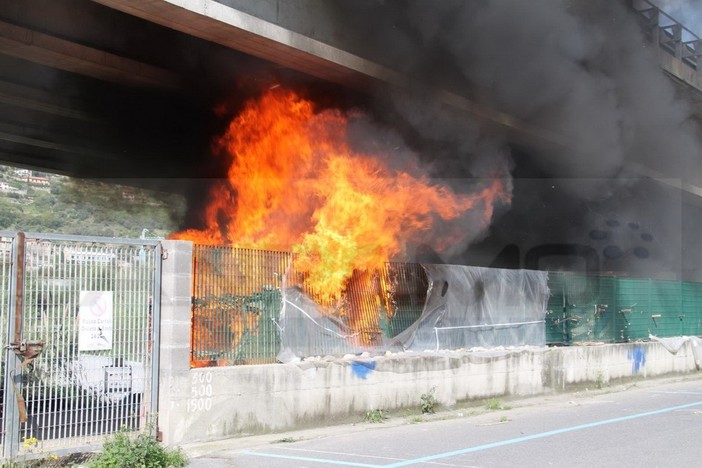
{"points": [[688, 12]]}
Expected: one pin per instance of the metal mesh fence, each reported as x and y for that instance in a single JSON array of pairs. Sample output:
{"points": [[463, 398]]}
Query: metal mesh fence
{"points": [[581, 309], [237, 301], [87, 306], [373, 308], [609, 309], [692, 311], [405, 286]]}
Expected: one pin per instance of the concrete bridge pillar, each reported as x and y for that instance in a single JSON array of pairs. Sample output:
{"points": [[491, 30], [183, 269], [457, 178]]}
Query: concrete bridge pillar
{"points": [[176, 293]]}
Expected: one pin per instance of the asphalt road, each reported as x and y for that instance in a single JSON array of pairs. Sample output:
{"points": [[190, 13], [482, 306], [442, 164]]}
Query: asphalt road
{"points": [[646, 424]]}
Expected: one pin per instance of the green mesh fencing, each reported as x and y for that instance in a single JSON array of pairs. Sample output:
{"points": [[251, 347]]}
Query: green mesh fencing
{"points": [[692, 309], [609, 309], [580, 309]]}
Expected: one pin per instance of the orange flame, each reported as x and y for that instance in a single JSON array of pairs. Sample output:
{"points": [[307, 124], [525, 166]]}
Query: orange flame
{"points": [[295, 182]]}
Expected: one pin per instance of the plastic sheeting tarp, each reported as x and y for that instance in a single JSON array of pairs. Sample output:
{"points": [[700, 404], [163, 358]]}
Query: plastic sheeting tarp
{"points": [[674, 343], [470, 307], [466, 307], [307, 329]]}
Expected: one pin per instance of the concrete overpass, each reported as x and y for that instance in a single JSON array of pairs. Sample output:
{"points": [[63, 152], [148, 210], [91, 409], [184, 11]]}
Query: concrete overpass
{"points": [[124, 87]]}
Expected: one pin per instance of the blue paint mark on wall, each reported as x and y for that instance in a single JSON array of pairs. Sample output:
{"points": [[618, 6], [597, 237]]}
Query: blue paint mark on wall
{"points": [[638, 358], [362, 368]]}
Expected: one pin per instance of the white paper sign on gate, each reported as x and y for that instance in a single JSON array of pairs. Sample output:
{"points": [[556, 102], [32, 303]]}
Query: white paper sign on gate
{"points": [[95, 322]]}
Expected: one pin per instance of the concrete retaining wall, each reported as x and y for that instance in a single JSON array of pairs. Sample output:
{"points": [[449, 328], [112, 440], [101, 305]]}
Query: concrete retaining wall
{"points": [[198, 405]]}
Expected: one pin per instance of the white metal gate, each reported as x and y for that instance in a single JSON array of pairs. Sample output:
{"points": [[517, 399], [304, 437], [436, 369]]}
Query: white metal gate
{"points": [[81, 340]]}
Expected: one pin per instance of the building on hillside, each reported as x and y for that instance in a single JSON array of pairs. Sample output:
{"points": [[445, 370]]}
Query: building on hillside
{"points": [[36, 180], [81, 256], [6, 188]]}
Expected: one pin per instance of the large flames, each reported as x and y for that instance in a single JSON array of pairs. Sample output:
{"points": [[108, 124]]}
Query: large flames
{"points": [[296, 183]]}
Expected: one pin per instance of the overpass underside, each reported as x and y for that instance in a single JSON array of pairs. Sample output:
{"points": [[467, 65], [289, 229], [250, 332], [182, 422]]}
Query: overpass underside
{"points": [[129, 89], [126, 87]]}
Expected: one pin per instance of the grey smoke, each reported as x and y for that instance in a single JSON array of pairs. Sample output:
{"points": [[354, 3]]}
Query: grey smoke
{"points": [[580, 68]]}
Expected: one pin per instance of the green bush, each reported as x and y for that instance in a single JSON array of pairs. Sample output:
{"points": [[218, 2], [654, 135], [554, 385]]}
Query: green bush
{"points": [[428, 401], [493, 404], [375, 416], [142, 451]]}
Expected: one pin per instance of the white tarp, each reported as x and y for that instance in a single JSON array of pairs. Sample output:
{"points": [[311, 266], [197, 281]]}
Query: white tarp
{"points": [[470, 307], [466, 307], [674, 343]]}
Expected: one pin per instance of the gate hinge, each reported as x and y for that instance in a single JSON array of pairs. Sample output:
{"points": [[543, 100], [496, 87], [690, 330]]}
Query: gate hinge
{"points": [[27, 349], [164, 254]]}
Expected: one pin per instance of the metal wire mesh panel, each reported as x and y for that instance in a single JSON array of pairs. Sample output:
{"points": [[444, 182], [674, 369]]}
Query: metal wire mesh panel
{"points": [[405, 286], [373, 307], [88, 307], [652, 307], [592, 309], [581, 309], [610, 309], [236, 301], [557, 327], [692, 309]]}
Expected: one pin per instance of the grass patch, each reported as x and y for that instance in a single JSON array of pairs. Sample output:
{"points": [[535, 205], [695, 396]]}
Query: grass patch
{"points": [[493, 404], [375, 416], [599, 381], [415, 419]]}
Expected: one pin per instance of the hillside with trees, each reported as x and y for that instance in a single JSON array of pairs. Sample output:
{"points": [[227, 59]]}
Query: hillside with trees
{"points": [[33, 201]]}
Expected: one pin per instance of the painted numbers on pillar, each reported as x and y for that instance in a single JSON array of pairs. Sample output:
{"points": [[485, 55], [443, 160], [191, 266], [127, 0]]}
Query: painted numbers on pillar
{"points": [[200, 392]]}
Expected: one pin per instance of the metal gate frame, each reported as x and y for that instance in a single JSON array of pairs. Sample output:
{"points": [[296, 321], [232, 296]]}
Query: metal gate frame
{"points": [[19, 350]]}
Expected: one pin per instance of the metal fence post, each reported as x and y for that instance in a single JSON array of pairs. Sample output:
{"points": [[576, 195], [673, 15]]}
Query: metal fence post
{"points": [[155, 338], [11, 379]]}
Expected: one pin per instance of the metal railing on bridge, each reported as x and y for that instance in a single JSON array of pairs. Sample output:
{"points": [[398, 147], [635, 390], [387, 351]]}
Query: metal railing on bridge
{"points": [[670, 35]]}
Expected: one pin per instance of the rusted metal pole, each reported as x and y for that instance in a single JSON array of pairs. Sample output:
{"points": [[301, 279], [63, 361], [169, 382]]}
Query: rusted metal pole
{"points": [[11, 416], [19, 288]]}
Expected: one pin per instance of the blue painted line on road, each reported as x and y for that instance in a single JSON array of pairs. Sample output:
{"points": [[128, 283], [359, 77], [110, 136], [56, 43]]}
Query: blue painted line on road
{"points": [[477, 448], [328, 461], [540, 435]]}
